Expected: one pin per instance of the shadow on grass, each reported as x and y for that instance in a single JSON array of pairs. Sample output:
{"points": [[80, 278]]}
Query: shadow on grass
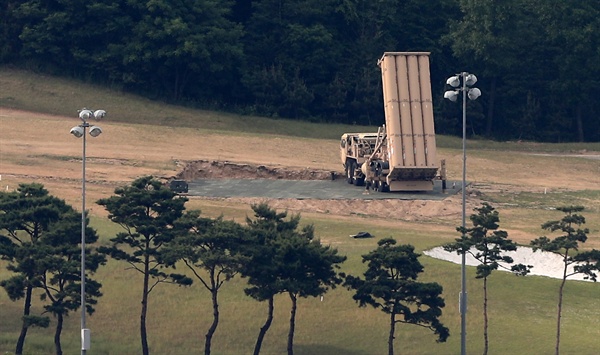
{"points": [[320, 349]]}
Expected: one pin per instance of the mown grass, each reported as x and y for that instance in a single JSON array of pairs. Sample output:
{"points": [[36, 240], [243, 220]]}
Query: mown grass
{"points": [[44, 94], [548, 200], [522, 310], [478, 144]]}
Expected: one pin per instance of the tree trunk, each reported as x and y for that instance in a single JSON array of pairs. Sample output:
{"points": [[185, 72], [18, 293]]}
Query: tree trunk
{"points": [[59, 326], [392, 331], [290, 346], [180, 79], [264, 328], [485, 317], [25, 326], [490, 114], [143, 332], [213, 326], [560, 297]]}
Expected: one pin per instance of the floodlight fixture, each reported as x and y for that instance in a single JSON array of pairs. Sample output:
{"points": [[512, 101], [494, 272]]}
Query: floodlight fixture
{"points": [[473, 93], [470, 79], [77, 131], [451, 95], [95, 131], [85, 114], [453, 81], [99, 114]]}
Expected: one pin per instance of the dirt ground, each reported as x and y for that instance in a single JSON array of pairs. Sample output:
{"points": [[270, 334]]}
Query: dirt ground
{"points": [[204, 169], [389, 208], [37, 147], [124, 152]]}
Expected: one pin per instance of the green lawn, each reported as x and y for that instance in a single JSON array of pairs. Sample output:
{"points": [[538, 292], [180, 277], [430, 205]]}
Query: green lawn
{"points": [[522, 311]]}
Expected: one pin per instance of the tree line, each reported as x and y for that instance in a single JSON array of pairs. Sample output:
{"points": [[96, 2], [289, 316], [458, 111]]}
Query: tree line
{"points": [[537, 60], [40, 240]]}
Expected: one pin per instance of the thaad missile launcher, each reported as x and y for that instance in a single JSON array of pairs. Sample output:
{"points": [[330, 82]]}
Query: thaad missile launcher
{"points": [[401, 156]]}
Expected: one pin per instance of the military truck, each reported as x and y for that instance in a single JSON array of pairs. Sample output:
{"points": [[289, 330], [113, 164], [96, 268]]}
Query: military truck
{"points": [[401, 156]]}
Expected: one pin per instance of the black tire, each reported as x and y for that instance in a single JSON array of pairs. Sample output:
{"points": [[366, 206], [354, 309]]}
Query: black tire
{"points": [[356, 181], [359, 181]]}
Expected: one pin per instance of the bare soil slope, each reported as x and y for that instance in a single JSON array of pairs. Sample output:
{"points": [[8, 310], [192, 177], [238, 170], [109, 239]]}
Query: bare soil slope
{"points": [[204, 169]]}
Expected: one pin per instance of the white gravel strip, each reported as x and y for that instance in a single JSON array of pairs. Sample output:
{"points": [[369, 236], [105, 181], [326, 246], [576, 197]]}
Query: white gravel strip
{"points": [[544, 263]]}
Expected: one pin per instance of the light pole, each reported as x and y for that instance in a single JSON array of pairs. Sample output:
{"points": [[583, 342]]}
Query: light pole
{"points": [[467, 80], [80, 131]]}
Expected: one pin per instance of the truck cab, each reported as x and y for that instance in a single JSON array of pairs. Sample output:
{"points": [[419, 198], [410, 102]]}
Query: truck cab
{"points": [[355, 149]]}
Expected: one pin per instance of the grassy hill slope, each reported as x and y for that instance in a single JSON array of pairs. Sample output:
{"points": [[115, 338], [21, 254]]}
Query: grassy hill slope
{"points": [[145, 137]]}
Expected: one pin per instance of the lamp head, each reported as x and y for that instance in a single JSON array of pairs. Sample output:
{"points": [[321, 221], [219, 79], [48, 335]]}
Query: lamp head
{"points": [[451, 95], [473, 93], [453, 81], [99, 114], [77, 131], [95, 131], [470, 79], [85, 114]]}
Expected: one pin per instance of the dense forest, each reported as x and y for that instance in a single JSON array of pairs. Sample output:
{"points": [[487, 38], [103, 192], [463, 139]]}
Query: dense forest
{"points": [[537, 61]]}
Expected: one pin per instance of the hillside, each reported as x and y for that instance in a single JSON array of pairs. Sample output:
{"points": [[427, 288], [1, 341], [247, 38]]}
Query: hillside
{"points": [[525, 181]]}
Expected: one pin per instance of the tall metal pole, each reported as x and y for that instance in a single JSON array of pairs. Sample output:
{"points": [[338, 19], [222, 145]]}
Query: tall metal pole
{"points": [[85, 125], [80, 131], [463, 292]]}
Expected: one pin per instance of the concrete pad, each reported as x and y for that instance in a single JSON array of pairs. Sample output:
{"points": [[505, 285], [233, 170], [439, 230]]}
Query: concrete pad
{"points": [[309, 189]]}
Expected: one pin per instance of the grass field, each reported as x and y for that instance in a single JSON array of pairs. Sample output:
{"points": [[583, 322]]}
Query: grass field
{"points": [[143, 137]]}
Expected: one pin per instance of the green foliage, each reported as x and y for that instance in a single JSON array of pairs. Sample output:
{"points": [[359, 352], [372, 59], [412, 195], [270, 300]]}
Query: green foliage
{"points": [[283, 259], [564, 245], [484, 241], [14, 286], [176, 45], [486, 244], [588, 263], [36, 321], [265, 228], [317, 60], [210, 249], [569, 241], [147, 211], [509, 44], [390, 284], [43, 249], [303, 266]]}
